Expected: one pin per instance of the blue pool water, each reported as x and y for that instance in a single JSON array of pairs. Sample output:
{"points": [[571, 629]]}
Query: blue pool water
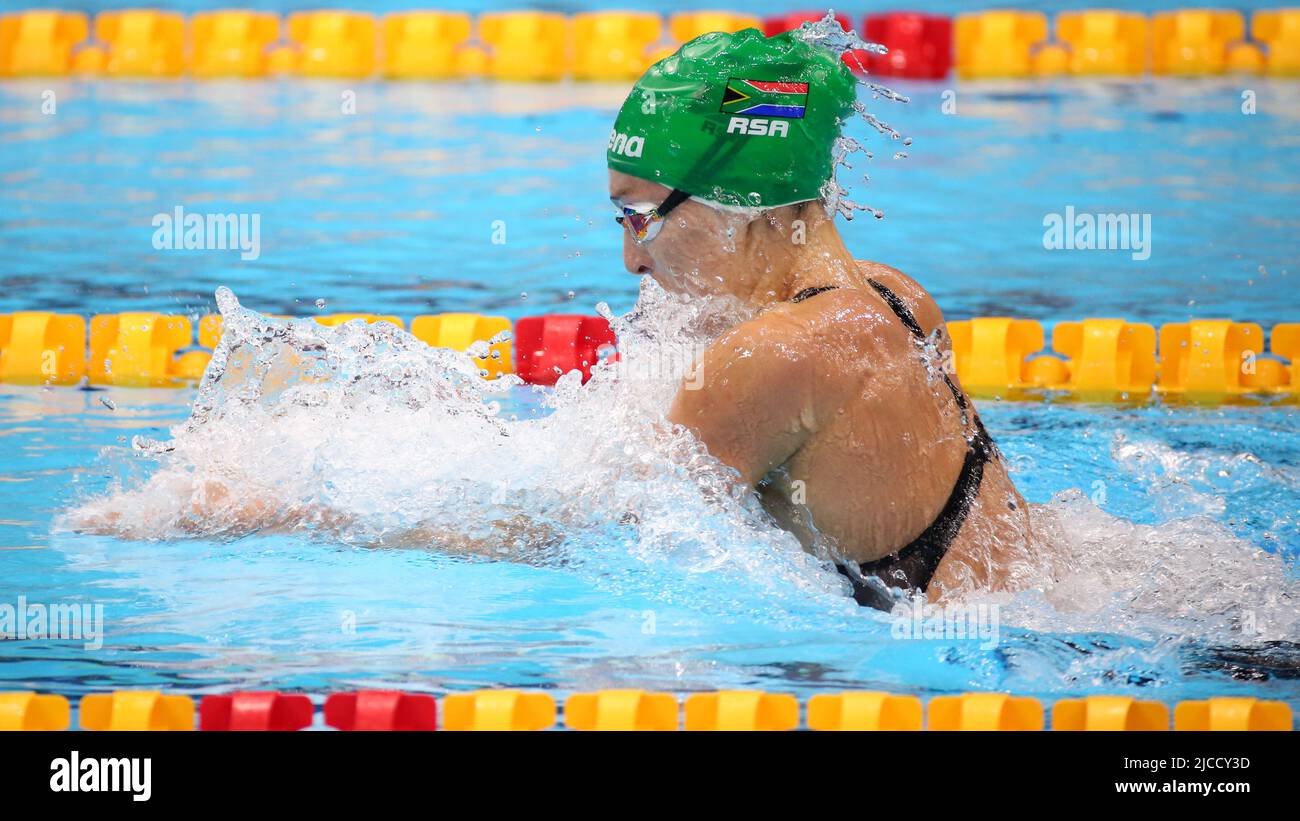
{"points": [[1170, 515]]}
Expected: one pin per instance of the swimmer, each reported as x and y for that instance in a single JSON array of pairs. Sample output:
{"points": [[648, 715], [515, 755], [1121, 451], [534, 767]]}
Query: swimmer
{"points": [[833, 403]]}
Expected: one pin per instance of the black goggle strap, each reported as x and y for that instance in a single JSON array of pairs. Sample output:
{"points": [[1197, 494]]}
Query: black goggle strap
{"points": [[675, 198]]}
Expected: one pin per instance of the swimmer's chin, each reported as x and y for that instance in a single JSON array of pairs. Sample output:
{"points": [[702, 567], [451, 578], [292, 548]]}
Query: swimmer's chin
{"points": [[689, 285]]}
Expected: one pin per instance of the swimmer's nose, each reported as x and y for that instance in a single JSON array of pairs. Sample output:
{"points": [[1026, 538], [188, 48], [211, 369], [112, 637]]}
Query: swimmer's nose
{"points": [[635, 259]]}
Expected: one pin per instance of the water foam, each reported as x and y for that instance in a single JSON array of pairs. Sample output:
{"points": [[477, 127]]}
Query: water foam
{"points": [[827, 33], [362, 435]]}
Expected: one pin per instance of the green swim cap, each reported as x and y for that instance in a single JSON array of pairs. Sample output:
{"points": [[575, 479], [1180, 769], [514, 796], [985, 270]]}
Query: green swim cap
{"points": [[738, 119]]}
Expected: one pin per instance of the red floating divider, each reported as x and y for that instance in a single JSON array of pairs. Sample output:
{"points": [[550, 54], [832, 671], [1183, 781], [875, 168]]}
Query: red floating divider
{"points": [[773, 26], [547, 347], [255, 711], [381, 710], [920, 45]]}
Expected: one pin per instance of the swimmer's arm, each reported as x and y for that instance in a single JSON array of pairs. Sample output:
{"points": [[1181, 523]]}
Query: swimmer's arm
{"points": [[751, 402], [215, 506]]}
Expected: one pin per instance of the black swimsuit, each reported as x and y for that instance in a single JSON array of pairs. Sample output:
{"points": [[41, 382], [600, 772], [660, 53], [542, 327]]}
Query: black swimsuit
{"points": [[910, 568]]}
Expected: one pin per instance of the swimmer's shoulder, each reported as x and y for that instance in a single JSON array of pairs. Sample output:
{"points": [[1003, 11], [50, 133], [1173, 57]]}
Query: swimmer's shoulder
{"points": [[838, 327], [914, 296]]}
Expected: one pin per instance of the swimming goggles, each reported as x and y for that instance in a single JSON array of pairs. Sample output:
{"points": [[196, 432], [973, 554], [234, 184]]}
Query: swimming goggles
{"points": [[645, 222]]}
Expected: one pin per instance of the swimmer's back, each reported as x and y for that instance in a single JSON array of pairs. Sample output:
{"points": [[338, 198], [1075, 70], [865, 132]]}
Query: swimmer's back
{"points": [[872, 438]]}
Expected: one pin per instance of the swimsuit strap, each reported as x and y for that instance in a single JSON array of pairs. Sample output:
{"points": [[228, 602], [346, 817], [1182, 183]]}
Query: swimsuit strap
{"points": [[812, 292]]}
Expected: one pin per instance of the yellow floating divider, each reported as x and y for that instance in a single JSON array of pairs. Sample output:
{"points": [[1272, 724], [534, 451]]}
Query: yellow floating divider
{"points": [[627, 709], [459, 331], [525, 45], [136, 710], [621, 710], [1279, 31], [998, 43], [40, 43], [687, 25], [498, 710], [334, 320], [33, 711], [741, 710], [985, 711], [425, 45], [1204, 360], [89, 60], [1107, 359], [1051, 60], [136, 349], [1244, 58], [335, 44], [1104, 42], [232, 43], [142, 42], [614, 45], [1194, 42], [191, 364], [990, 353], [1234, 714], [864, 710], [1109, 713], [210, 331], [40, 348], [1286, 344]]}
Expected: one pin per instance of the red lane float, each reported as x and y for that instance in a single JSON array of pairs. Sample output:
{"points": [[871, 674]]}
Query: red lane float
{"points": [[547, 347], [920, 45], [381, 710], [265, 711]]}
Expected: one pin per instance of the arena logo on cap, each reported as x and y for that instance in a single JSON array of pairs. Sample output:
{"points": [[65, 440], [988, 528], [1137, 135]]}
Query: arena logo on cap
{"points": [[620, 143]]}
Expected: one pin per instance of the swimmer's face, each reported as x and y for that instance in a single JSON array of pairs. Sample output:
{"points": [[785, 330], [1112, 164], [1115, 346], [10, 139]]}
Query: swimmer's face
{"points": [[698, 249]]}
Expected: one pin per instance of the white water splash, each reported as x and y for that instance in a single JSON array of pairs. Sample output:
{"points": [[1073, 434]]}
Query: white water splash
{"points": [[829, 34], [1187, 579], [362, 435]]}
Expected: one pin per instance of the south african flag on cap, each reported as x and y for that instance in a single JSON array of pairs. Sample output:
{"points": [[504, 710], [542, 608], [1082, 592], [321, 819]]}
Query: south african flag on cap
{"points": [[763, 98]]}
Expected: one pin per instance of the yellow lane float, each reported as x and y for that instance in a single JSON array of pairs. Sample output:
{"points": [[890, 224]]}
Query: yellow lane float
{"points": [[996, 44], [142, 43], [621, 710], [1109, 713], [333, 44], [460, 331], [232, 43], [1233, 714], [136, 349], [864, 711], [136, 710], [425, 45], [32, 711], [741, 710], [41, 348], [40, 43], [1194, 42], [985, 711], [498, 710]]}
